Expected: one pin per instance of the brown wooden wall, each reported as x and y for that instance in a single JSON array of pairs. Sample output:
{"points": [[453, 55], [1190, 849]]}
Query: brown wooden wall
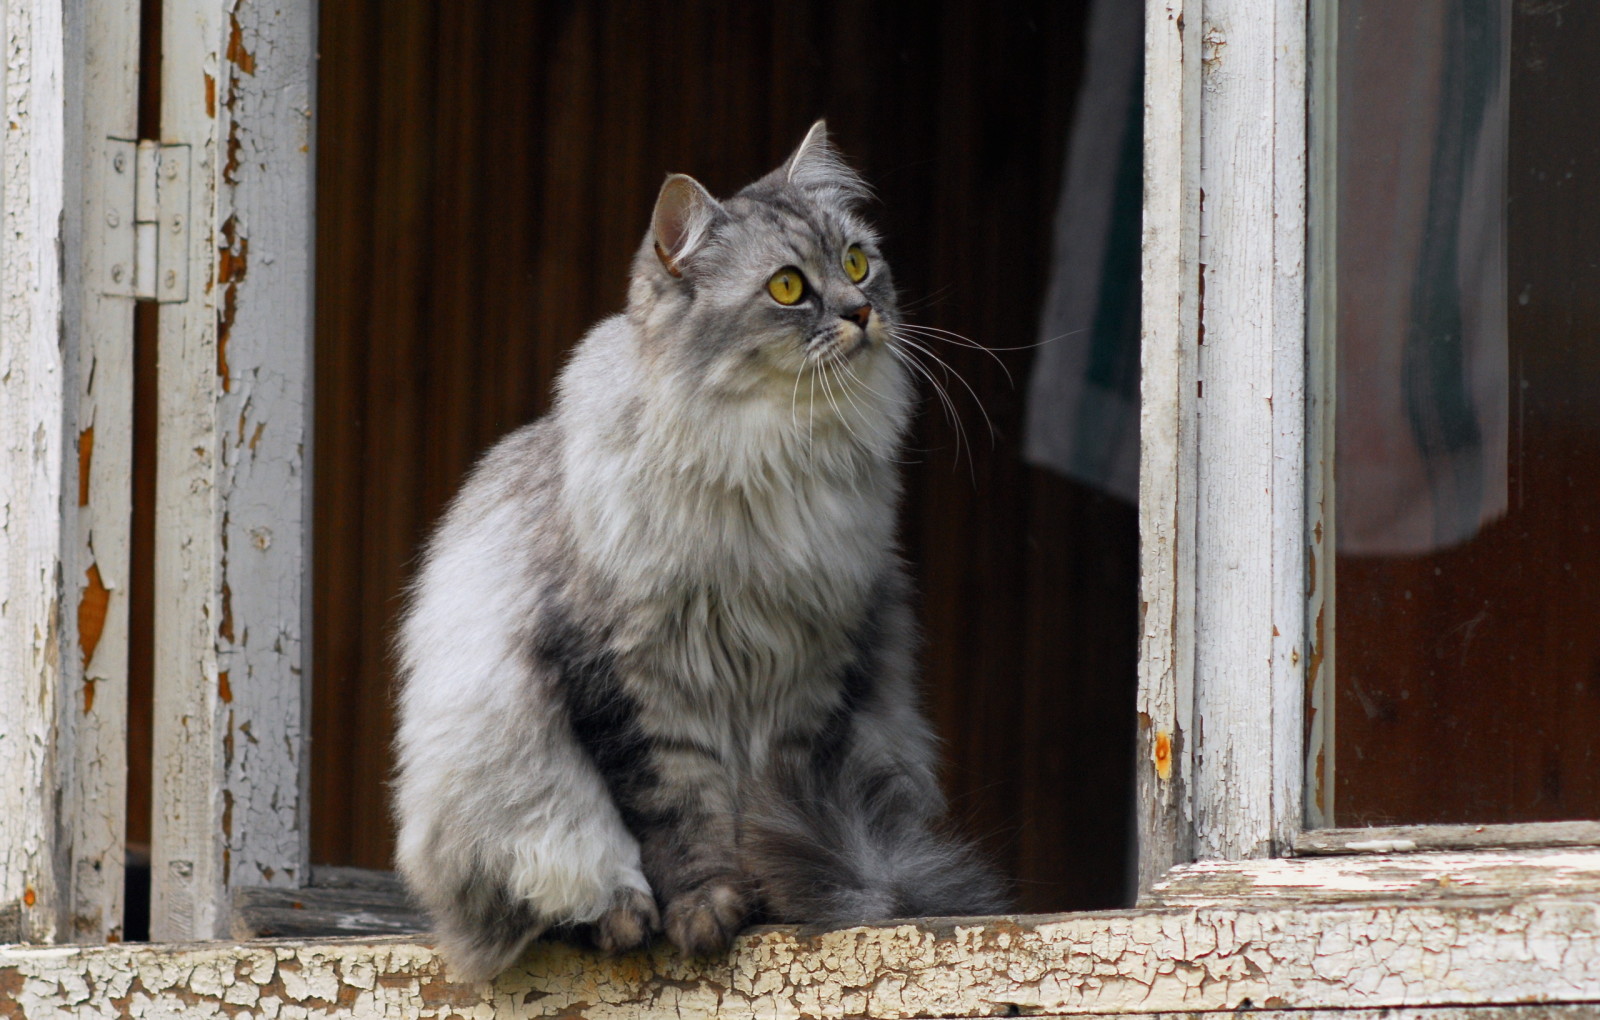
{"points": [[485, 172]]}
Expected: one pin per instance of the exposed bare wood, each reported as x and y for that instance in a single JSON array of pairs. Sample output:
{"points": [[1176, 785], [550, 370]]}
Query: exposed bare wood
{"points": [[36, 394], [339, 901], [234, 409], [1321, 288], [324, 913], [1170, 321], [1367, 955], [1402, 838]]}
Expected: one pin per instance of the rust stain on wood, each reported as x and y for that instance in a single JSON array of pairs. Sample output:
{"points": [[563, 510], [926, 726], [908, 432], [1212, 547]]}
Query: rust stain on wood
{"points": [[29, 897], [92, 606], [211, 96], [226, 627], [85, 455], [1163, 755], [238, 56], [224, 689]]}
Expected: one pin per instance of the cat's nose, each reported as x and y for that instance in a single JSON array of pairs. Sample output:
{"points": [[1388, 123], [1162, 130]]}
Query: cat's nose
{"points": [[859, 316]]}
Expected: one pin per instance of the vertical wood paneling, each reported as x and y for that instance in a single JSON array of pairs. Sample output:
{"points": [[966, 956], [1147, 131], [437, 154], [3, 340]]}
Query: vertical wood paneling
{"points": [[231, 532], [98, 332], [37, 390], [466, 249]]}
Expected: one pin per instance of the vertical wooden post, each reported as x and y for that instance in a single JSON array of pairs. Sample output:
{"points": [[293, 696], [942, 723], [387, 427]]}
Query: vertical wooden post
{"points": [[1169, 326], [1250, 588], [36, 393], [103, 59], [232, 480]]}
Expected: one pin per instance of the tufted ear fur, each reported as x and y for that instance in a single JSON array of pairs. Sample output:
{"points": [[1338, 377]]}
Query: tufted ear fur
{"points": [[816, 166], [682, 221]]}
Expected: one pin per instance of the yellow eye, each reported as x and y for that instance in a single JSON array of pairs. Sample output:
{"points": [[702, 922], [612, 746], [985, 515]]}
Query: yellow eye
{"points": [[855, 263], [787, 286]]}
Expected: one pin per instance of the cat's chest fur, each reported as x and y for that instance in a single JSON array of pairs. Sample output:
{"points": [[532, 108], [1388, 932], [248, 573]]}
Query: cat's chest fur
{"points": [[748, 594]]}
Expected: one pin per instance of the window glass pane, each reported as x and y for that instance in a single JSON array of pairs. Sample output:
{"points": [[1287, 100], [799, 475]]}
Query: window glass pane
{"points": [[1466, 324]]}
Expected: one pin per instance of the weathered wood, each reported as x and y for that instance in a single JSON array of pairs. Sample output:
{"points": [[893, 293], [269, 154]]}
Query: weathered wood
{"points": [[1403, 838], [1398, 878], [1169, 324], [1367, 955], [339, 901], [232, 466], [1321, 302], [324, 913], [1250, 553], [36, 394], [103, 54]]}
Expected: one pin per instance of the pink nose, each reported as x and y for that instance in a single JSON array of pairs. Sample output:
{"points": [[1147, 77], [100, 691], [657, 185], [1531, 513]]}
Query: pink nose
{"points": [[859, 316]]}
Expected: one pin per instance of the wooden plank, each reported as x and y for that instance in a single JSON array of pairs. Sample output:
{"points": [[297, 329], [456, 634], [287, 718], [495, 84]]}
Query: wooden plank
{"points": [[1369, 955], [36, 393], [1321, 407], [1401, 877], [232, 466], [1403, 838], [338, 901], [1169, 326], [103, 40], [1250, 589]]}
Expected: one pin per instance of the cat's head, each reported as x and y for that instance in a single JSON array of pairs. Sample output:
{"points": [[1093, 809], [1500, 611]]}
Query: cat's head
{"points": [[771, 290]]}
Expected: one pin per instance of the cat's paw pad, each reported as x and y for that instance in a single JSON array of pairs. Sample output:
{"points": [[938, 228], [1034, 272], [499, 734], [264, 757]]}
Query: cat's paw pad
{"points": [[629, 923], [703, 921]]}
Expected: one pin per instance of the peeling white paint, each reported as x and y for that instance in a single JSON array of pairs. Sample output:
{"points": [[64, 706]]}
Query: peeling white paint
{"points": [[1179, 961], [104, 55], [1169, 321], [35, 397], [1250, 599], [234, 486]]}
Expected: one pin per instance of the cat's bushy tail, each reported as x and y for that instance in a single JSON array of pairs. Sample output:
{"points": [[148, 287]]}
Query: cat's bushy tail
{"points": [[859, 846]]}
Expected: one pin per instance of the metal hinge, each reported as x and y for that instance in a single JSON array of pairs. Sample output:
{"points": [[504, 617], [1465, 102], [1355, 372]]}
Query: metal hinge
{"points": [[146, 220]]}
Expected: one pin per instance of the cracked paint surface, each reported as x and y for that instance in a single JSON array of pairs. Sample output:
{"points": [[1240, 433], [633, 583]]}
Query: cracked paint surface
{"points": [[1137, 962]]}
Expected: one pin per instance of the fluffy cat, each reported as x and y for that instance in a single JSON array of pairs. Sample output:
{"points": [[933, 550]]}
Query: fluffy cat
{"points": [[656, 667]]}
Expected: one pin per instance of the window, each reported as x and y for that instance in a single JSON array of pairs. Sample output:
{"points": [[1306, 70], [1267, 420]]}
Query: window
{"points": [[1233, 507]]}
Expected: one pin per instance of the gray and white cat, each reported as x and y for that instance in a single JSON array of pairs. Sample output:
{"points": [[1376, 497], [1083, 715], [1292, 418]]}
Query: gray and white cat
{"points": [[657, 665]]}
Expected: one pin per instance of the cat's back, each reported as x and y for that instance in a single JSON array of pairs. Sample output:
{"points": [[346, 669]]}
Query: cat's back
{"points": [[481, 573]]}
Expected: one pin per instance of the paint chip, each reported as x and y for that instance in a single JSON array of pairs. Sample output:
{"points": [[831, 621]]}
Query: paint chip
{"points": [[92, 608]]}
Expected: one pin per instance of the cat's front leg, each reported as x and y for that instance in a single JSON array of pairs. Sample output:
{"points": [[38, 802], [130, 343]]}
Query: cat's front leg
{"points": [[675, 795], [683, 814]]}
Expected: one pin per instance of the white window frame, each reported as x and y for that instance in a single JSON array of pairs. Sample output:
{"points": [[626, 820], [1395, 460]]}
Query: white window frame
{"points": [[1229, 519]]}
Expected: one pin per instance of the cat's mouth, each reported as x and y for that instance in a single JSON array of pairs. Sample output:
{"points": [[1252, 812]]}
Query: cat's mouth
{"points": [[841, 344]]}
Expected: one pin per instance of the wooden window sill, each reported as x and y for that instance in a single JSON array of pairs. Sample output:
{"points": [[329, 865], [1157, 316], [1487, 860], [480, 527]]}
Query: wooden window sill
{"points": [[1443, 934]]}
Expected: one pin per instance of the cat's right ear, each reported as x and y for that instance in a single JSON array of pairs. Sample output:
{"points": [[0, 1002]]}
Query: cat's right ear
{"points": [[685, 213]]}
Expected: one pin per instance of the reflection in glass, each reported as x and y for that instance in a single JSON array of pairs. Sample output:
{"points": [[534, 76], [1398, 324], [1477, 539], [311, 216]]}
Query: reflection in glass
{"points": [[1466, 326]]}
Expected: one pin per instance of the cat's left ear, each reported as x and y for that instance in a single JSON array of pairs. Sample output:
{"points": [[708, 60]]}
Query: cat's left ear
{"points": [[816, 165], [685, 213]]}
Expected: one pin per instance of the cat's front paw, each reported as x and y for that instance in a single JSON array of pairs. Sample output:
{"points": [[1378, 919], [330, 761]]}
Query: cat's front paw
{"points": [[704, 920], [629, 923]]}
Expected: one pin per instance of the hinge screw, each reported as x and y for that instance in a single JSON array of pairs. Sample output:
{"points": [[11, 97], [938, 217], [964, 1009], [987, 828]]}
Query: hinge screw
{"points": [[177, 224], [171, 170], [120, 162], [112, 219], [116, 274], [172, 279]]}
